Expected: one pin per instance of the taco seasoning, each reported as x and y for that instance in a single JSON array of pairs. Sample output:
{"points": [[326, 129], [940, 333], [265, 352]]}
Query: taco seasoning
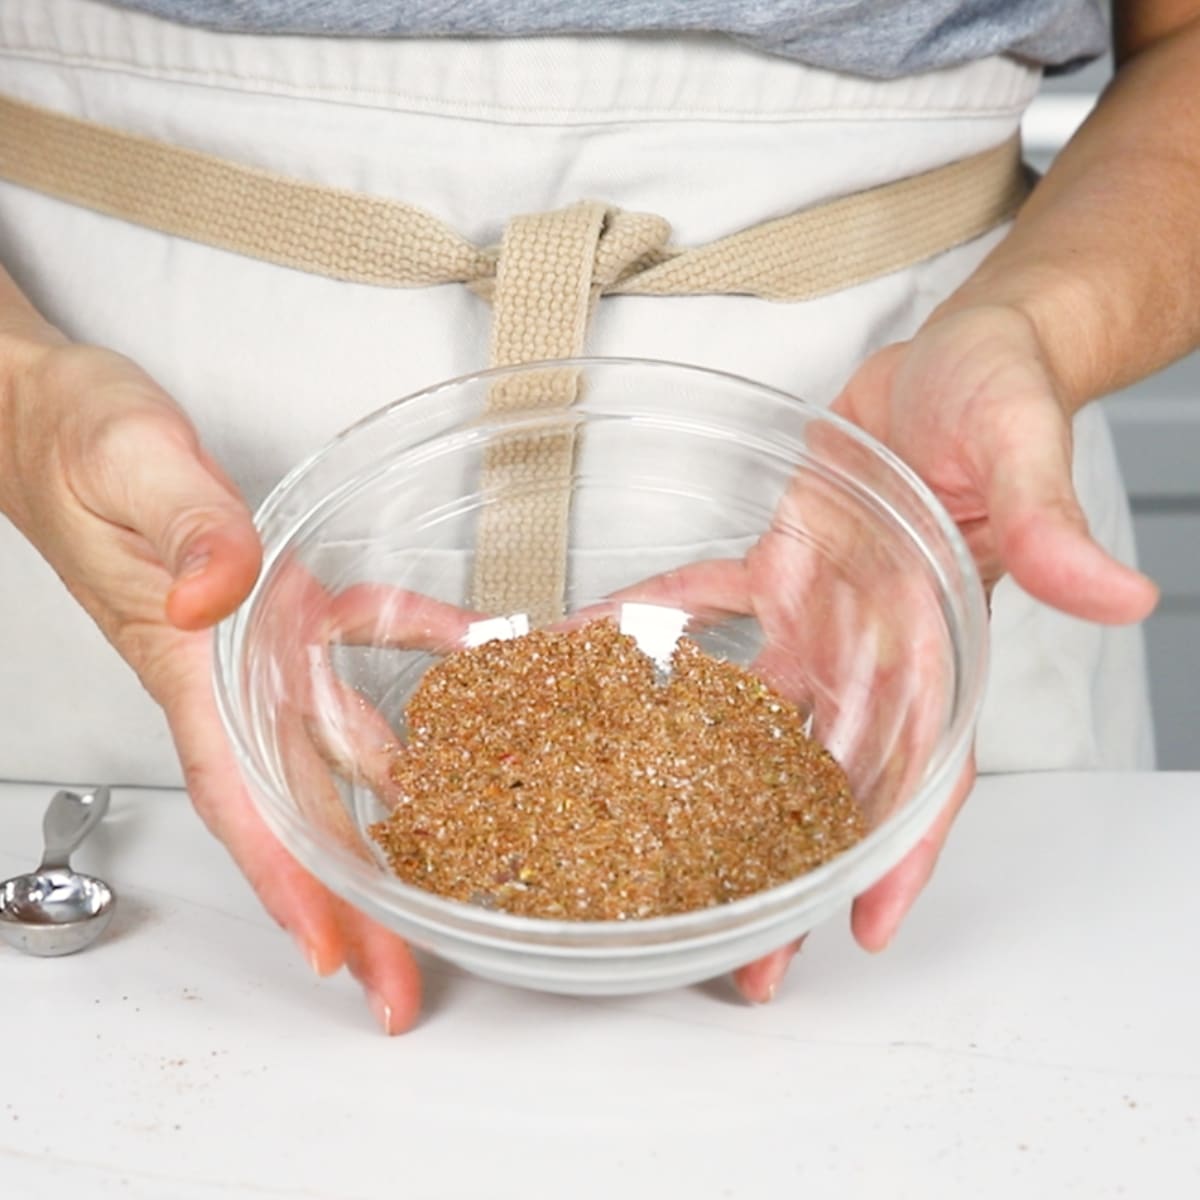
{"points": [[558, 775]]}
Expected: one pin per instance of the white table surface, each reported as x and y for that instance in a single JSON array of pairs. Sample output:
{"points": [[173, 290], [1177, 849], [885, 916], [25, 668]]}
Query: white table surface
{"points": [[1033, 1031]]}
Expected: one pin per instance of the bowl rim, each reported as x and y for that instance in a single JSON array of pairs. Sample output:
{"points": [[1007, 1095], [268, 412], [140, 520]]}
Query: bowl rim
{"points": [[344, 872]]}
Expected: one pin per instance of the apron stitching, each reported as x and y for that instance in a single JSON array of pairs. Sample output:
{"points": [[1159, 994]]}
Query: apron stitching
{"points": [[497, 114]]}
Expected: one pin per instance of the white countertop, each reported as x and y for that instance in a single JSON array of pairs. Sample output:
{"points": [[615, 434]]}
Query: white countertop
{"points": [[1034, 1031]]}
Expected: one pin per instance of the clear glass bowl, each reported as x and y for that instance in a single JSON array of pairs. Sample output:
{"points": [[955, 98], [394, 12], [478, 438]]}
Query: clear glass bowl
{"points": [[784, 538]]}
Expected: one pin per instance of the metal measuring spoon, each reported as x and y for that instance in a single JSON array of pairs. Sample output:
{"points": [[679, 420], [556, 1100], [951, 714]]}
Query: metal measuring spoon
{"points": [[55, 910]]}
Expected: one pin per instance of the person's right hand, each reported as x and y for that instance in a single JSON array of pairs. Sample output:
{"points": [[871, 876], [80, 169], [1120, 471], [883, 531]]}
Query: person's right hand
{"points": [[105, 475]]}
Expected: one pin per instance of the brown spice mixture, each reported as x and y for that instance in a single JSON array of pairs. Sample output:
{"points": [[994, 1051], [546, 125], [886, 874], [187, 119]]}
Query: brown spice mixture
{"points": [[554, 775]]}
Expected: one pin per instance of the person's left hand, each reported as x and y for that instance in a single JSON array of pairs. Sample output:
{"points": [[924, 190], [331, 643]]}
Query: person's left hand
{"points": [[971, 405]]}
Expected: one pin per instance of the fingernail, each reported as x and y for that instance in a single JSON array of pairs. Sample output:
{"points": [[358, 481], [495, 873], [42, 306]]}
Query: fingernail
{"points": [[193, 564], [309, 953], [382, 1011], [786, 954]]}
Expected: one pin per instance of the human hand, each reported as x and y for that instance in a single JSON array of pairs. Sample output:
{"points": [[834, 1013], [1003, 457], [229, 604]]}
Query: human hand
{"points": [[848, 628], [106, 476], [972, 406]]}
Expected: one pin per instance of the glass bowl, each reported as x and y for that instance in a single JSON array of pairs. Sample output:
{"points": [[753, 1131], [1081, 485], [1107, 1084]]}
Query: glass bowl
{"points": [[781, 537]]}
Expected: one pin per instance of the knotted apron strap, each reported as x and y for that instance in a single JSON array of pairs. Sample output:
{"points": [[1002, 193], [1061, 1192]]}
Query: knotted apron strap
{"points": [[544, 289], [552, 269], [541, 302], [375, 240], [544, 280]]}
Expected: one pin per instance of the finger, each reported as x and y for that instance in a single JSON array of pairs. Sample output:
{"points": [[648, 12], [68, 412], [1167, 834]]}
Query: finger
{"points": [[759, 981], [324, 724], [322, 713], [890, 693], [349, 733], [379, 615], [150, 475], [381, 961], [297, 901], [378, 958], [709, 591], [1041, 532], [879, 911], [1050, 553], [222, 564]]}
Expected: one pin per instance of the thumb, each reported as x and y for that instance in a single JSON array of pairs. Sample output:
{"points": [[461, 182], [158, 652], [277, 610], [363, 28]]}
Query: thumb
{"points": [[165, 487], [1042, 535]]}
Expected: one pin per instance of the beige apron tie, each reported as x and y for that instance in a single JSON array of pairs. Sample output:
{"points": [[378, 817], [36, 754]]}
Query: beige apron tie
{"points": [[543, 280], [551, 271]]}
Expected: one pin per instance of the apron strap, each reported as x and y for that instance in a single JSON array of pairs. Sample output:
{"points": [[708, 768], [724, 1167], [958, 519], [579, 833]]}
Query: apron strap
{"points": [[543, 281], [551, 271], [375, 240]]}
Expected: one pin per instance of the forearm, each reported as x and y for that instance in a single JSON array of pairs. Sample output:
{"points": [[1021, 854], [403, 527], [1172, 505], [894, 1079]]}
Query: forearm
{"points": [[1104, 259]]}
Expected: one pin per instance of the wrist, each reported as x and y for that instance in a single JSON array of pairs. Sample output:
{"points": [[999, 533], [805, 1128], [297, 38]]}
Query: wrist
{"points": [[22, 327], [26, 337], [23, 356], [21, 361], [1079, 332]]}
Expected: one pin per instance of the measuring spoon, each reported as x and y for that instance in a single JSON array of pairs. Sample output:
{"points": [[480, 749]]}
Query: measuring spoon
{"points": [[55, 910]]}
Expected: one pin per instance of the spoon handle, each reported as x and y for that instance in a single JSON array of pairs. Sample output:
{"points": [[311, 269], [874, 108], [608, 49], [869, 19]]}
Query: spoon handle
{"points": [[69, 819]]}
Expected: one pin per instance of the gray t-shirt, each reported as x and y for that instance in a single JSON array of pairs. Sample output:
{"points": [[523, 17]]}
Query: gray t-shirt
{"points": [[883, 38]]}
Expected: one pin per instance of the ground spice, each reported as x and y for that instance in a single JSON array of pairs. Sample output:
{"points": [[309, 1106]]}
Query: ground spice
{"points": [[558, 775]]}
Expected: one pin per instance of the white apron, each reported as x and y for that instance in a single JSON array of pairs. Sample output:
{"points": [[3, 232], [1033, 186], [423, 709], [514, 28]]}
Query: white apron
{"points": [[270, 363]]}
